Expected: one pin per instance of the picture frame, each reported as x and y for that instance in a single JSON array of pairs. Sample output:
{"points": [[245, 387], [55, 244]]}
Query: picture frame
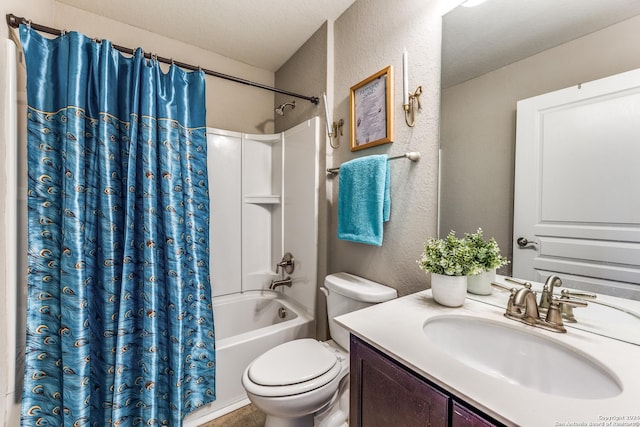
{"points": [[371, 114]]}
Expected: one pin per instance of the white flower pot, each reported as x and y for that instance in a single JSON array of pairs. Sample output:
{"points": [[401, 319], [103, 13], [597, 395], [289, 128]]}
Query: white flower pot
{"points": [[450, 291], [480, 284]]}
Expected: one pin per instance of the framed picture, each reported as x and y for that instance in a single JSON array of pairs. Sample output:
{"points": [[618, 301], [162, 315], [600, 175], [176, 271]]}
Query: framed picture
{"points": [[371, 112]]}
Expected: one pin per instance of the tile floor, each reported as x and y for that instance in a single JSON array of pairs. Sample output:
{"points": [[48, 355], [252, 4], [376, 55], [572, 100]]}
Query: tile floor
{"points": [[247, 416]]}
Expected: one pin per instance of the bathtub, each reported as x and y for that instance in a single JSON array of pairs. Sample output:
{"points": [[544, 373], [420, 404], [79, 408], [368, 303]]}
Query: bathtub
{"points": [[247, 325]]}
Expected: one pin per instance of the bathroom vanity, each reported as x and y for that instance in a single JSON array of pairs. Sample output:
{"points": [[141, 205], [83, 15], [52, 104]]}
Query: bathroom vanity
{"points": [[384, 393], [414, 361]]}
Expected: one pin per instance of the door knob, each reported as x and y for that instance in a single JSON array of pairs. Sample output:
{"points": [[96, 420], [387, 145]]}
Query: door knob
{"points": [[524, 242]]}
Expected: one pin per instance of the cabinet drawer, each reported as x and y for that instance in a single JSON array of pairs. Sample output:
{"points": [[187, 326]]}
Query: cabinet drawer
{"points": [[463, 417]]}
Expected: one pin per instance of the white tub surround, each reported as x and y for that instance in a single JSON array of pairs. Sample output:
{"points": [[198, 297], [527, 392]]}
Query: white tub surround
{"points": [[10, 342], [264, 203], [396, 328]]}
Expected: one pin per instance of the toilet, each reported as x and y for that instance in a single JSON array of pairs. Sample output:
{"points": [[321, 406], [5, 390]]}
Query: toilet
{"points": [[306, 379]]}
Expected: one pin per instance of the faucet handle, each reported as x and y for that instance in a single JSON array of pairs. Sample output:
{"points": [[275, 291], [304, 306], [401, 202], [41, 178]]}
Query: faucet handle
{"points": [[581, 295], [559, 309], [553, 320], [288, 263], [518, 282], [569, 302], [504, 287], [511, 310], [567, 309]]}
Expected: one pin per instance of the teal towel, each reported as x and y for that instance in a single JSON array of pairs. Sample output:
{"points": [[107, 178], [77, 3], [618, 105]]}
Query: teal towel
{"points": [[364, 200]]}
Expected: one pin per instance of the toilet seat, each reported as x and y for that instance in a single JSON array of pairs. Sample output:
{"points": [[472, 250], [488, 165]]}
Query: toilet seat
{"points": [[294, 367]]}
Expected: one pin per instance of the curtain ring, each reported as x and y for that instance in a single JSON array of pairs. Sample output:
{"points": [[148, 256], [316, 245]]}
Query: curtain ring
{"points": [[97, 40], [63, 32], [154, 57], [29, 23]]}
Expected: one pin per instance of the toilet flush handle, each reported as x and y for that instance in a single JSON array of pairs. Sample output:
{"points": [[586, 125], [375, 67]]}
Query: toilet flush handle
{"points": [[324, 290]]}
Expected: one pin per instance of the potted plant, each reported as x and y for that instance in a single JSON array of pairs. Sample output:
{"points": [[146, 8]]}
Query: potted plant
{"points": [[488, 258], [449, 261]]}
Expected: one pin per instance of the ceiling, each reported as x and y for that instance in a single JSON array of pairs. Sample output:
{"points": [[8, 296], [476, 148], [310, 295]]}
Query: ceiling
{"points": [[499, 32], [261, 33], [266, 34]]}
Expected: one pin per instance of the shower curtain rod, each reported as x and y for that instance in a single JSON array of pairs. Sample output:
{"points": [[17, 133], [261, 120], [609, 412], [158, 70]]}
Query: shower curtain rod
{"points": [[14, 22]]}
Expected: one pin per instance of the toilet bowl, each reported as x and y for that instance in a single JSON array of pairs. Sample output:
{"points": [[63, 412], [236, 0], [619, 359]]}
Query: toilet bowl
{"points": [[293, 381], [303, 379]]}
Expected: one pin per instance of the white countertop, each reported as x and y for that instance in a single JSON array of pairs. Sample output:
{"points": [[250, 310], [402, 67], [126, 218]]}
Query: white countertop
{"points": [[396, 328]]}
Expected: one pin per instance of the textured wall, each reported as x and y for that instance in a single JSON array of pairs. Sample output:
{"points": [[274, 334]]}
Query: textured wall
{"points": [[366, 38], [304, 73], [479, 124], [369, 36]]}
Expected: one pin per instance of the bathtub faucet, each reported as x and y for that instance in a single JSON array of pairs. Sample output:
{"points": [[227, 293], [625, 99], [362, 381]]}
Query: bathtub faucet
{"points": [[284, 282], [288, 264]]}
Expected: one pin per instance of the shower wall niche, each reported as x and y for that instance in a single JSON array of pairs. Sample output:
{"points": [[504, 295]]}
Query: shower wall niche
{"points": [[264, 197], [262, 192]]}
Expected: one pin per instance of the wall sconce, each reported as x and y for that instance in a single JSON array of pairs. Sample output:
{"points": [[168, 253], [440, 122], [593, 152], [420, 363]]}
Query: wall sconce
{"points": [[409, 100], [335, 127]]}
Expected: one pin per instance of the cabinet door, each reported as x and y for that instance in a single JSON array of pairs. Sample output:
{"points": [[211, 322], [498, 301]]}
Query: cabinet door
{"points": [[385, 394], [462, 417]]}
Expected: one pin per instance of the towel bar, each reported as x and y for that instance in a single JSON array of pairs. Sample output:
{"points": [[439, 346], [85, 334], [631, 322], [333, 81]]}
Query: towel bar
{"points": [[414, 156]]}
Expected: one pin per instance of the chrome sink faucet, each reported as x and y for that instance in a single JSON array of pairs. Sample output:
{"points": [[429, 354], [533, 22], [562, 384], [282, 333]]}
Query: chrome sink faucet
{"points": [[525, 301], [523, 306]]}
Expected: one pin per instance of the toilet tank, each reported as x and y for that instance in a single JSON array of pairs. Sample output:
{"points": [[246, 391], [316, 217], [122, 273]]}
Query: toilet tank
{"points": [[346, 293]]}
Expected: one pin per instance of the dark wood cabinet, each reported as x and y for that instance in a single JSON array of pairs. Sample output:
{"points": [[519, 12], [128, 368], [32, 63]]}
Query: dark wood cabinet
{"points": [[384, 393]]}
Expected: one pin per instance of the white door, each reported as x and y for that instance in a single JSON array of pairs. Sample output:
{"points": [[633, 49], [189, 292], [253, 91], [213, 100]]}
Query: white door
{"points": [[577, 186]]}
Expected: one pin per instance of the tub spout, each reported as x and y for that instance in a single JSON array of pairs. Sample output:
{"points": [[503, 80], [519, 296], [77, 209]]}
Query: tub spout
{"points": [[284, 282]]}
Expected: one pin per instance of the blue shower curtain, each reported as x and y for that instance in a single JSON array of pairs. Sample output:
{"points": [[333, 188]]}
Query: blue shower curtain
{"points": [[119, 318]]}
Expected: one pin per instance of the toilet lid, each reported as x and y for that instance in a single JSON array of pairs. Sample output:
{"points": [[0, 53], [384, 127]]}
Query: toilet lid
{"points": [[293, 362]]}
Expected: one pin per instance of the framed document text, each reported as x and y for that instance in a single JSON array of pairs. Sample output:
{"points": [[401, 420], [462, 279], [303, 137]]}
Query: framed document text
{"points": [[371, 113]]}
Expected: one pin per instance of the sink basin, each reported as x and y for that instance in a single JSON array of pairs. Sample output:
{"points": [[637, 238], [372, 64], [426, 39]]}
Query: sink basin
{"points": [[520, 356]]}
